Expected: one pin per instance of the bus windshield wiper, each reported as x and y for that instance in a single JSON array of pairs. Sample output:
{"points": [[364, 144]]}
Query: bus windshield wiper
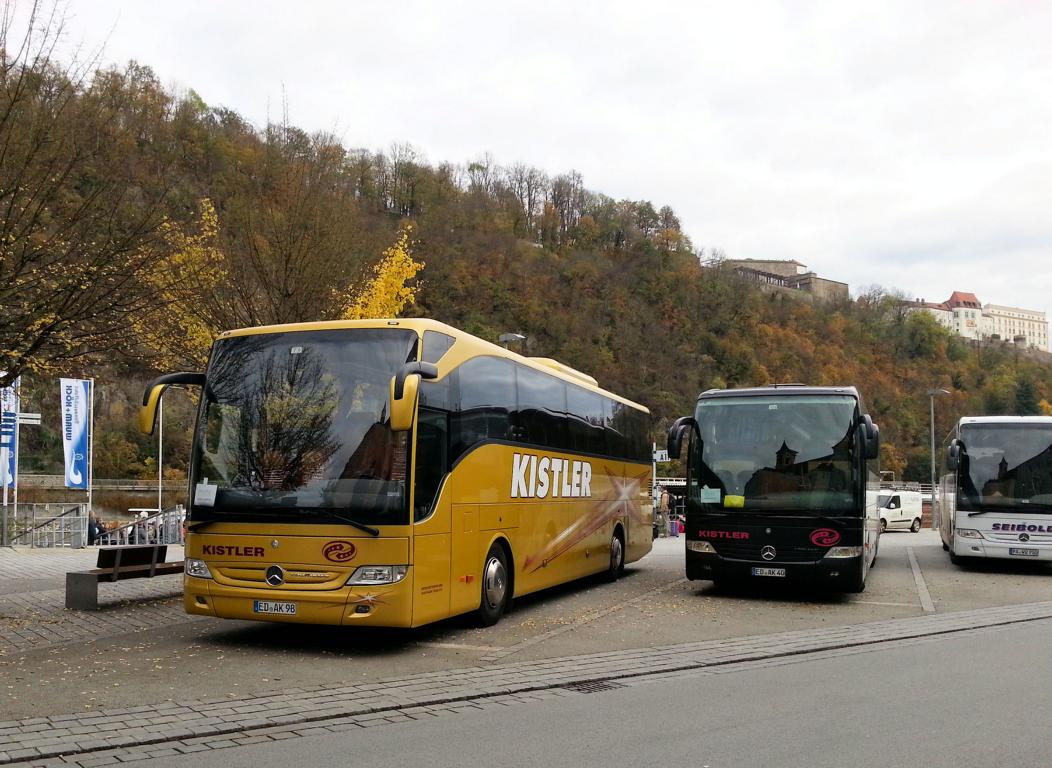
{"points": [[350, 521]]}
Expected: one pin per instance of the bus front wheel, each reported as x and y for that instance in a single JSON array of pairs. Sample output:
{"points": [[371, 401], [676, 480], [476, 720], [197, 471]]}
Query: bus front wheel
{"points": [[495, 587]]}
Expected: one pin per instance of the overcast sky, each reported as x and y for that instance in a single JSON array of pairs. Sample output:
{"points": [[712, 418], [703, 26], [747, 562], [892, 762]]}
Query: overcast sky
{"points": [[897, 143]]}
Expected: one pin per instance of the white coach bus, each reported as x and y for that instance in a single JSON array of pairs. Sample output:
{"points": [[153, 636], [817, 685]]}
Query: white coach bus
{"points": [[995, 490]]}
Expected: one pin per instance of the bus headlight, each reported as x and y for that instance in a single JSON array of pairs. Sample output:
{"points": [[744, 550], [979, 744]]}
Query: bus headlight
{"points": [[377, 574], [968, 533], [196, 568], [701, 546], [835, 552]]}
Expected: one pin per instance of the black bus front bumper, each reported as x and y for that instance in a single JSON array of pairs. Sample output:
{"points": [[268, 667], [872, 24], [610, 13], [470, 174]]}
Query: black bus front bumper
{"points": [[838, 572]]}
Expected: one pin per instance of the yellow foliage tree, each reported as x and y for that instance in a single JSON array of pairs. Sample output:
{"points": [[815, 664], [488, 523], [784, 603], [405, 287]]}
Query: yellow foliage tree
{"points": [[388, 291], [178, 330], [1046, 407]]}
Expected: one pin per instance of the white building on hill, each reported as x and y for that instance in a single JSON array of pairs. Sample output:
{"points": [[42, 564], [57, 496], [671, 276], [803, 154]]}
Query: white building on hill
{"points": [[964, 315]]}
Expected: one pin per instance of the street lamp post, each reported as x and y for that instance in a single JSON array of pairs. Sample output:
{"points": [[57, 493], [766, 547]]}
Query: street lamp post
{"points": [[932, 394], [160, 458]]}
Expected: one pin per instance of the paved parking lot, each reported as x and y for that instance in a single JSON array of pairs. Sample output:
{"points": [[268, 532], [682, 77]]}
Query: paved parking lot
{"points": [[142, 648]]}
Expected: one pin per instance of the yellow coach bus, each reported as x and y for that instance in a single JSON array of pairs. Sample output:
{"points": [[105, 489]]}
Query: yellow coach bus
{"points": [[397, 472]]}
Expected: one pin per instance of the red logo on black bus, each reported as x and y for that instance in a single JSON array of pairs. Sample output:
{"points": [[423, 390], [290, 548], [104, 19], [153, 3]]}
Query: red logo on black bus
{"points": [[339, 551], [825, 537]]}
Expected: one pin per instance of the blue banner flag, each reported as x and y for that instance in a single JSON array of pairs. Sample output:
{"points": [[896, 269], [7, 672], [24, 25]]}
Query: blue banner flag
{"points": [[8, 433], [75, 425]]}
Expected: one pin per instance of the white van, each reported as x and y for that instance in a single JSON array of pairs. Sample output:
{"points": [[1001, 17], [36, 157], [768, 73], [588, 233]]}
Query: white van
{"points": [[900, 510]]}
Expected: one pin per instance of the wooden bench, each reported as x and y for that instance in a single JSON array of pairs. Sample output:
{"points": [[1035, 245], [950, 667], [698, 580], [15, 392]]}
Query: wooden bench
{"points": [[137, 561]]}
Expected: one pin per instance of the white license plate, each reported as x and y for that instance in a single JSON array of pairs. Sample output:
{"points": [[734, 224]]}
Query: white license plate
{"points": [[269, 606], [768, 571], [1022, 552]]}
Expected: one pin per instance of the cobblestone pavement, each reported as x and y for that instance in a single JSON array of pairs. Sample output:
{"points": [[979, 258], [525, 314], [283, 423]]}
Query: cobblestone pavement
{"points": [[136, 733], [32, 603], [27, 563]]}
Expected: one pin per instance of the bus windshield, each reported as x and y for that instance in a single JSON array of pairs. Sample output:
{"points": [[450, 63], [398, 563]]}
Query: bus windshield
{"points": [[294, 426], [777, 452], [1006, 466]]}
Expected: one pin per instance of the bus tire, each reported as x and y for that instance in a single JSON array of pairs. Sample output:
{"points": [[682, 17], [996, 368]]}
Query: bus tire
{"points": [[944, 547], [916, 525], [955, 559], [616, 565], [496, 585]]}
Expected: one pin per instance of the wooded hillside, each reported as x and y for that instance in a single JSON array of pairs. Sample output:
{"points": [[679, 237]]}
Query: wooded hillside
{"points": [[135, 223]]}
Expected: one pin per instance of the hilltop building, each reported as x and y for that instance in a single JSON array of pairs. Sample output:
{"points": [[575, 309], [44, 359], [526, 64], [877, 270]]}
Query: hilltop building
{"points": [[790, 277], [964, 315]]}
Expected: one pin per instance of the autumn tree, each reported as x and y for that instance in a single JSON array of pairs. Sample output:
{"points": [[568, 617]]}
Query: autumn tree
{"points": [[178, 328], [388, 291], [81, 198], [290, 230]]}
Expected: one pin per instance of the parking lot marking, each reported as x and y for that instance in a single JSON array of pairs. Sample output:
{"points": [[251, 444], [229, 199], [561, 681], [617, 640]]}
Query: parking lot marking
{"points": [[586, 619], [922, 589], [460, 646], [878, 602]]}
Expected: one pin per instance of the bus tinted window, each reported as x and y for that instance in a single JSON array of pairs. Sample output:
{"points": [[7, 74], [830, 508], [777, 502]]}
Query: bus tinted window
{"points": [[435, 345], [487, 398], [432, 459], [586, 421], [541, 413]]}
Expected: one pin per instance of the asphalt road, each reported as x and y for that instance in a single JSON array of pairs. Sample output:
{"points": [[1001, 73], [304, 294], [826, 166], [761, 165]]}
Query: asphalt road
{"points": [[651, 606], [978, 698]]}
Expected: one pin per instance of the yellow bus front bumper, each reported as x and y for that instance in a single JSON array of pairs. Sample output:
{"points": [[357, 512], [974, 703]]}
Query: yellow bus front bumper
{"points": [[384, 605]]}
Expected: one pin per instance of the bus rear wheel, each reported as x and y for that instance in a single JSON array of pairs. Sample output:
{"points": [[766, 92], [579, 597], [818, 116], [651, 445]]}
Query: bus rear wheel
{"points": [[617, 557], [495, 587]]}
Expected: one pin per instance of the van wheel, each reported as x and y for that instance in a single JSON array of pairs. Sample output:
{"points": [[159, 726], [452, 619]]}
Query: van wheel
{"points": [[495, 583], [883, 525], [916, 525], [617, 558]]}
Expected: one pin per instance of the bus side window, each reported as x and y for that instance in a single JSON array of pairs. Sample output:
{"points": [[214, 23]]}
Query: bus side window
{"points": [[539, 415], [585, 426], [436, 344], [432, 459], [618, 430], [487, 397]]}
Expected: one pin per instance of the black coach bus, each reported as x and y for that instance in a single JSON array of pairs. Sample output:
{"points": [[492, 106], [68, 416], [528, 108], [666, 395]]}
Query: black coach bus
{"points": [[782, 484]]}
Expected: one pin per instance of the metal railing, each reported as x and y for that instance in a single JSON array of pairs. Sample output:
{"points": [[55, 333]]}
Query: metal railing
{"points": [[99, 484], [49, 525], [164, 527]]}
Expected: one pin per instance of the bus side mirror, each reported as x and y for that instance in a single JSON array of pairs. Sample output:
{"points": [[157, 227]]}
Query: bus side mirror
{"points": [[675, 435], [152, 396], [870, 438], [405, 386], [953, 455]]}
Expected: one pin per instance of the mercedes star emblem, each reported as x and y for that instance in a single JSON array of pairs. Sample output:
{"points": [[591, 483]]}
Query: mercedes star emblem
{"points": [[768, 553], [275, 576], [1024, 537]]}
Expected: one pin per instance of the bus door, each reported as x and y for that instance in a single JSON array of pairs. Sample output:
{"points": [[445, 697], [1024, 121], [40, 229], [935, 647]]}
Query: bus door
{"points": [[432, 525]]}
